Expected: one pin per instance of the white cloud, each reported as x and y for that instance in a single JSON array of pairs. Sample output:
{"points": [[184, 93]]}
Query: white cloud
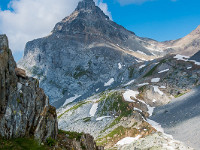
{"points": [[32, 19], [103, 7]]}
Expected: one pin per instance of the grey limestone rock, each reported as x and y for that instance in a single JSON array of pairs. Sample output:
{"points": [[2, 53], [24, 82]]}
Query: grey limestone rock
{"points": [[24, 108]]}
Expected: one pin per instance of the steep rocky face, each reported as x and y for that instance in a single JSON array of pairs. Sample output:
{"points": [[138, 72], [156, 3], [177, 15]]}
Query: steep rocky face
{"points": [[85, 53], [196, 57], [187, 45], [24, 108]]}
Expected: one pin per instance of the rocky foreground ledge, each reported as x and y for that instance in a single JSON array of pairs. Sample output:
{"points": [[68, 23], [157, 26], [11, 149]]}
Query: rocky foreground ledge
{"points": [[25, 111], [24, 108]]}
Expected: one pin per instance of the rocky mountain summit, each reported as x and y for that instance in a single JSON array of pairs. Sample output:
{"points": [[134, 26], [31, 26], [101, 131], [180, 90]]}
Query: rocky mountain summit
{"points": [[86, 53]]}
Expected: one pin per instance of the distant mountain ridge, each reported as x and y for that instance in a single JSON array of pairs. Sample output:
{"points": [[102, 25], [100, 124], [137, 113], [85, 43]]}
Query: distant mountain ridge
{"points": [[187, 45]]}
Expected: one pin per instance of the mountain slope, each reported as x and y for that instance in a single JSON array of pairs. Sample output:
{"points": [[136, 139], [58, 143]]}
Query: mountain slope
{"points": [[187, 45], [181, 118], [124, 111], [86, 53]]}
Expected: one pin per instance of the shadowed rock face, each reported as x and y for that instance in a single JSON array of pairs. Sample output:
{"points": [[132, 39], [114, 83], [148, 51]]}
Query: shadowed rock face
{"points": [[24, 108], [83, 52], [196, 57]]}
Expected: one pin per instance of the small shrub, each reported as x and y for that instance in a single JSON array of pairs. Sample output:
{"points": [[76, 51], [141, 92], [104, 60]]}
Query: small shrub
{"points": [[50, 141], [71, 135]]}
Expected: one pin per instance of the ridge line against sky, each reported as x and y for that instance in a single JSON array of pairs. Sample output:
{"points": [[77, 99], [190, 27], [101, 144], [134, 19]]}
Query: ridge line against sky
{"points": [[25, 20]]}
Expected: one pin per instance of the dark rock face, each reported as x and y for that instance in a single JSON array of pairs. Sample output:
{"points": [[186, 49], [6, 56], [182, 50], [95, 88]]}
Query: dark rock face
{"points": [[196, 57], [84, 142], [24, 108]]}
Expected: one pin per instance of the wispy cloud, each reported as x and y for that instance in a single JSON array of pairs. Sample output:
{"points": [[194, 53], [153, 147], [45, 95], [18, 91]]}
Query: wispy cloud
{"points": [[31, 19]]}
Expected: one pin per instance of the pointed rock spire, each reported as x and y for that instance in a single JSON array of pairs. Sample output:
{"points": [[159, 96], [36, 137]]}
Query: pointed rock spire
{"points": [[86, 5]]}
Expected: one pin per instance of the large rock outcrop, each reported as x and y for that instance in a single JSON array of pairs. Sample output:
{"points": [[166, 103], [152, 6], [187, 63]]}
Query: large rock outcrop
{"points": [[24, 107]]}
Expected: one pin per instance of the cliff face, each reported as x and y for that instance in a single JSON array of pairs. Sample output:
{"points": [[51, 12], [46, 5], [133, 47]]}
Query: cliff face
{"points": [[24, 108]]}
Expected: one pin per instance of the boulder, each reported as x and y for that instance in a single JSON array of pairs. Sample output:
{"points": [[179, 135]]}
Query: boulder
{"points": [[20, 72]]}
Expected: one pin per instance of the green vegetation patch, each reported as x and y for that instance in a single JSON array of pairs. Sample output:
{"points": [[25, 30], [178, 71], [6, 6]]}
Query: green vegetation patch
{"points": [[21, 144], [116, 134], [87, 119], [114, 103], [131, 72], [50, 141], [179, 95], [73, 108], [71, 135], [79, 72], [150, 73]]}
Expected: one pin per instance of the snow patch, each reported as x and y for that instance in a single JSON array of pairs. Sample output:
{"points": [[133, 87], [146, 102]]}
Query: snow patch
{"points": [[97, 90], [189, 68], [195, 62], [164, 71], [19, 86], [109, 82], [142, 66], [128, 140], [156, 89], [130, 82], [141, 52], [156, 125], [137, 109], [93, 110], [101, 118], [185, 58], [128, 94], [181, 57], [71, 99], [119, 66], [154, 100], [142, 84], [139, 61], [155, 80], [163, 87], [150, 109]]}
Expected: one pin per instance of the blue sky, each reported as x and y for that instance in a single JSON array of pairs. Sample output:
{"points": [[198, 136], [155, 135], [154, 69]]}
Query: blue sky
{"points": [[157, 19]]}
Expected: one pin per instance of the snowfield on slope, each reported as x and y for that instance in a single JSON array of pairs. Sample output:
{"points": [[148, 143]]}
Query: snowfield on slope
{"points": [[128, 94], [93, 109], [109, 82], [155, 80]]}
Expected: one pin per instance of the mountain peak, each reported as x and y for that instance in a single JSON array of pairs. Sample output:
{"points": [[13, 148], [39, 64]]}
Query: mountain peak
{"points": [[85, 5], [196, 31]]}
